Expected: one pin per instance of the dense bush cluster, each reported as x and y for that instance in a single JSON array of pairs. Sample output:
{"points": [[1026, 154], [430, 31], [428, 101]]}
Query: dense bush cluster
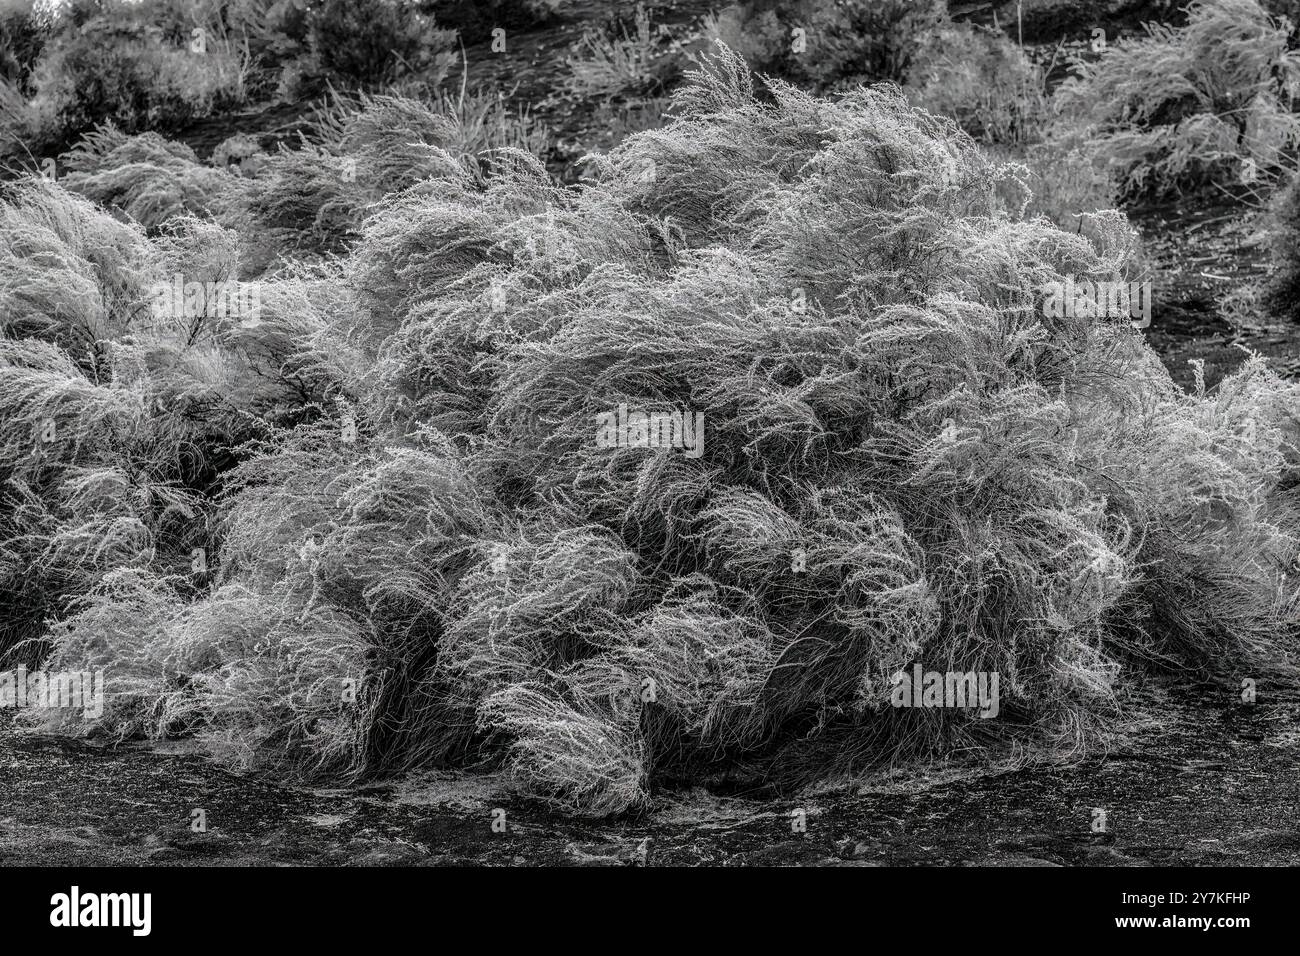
{"points": [[826, 41], [379, 522], [414, 547], [981, 79], [23, 30], [307, 201], [140, 65], [361, 40], [147, 177], [624, 60], [158, 64], [1182, 108]]}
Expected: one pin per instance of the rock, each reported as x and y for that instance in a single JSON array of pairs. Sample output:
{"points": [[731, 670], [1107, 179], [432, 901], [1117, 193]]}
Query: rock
{"points": [[211, 843], [609, 854], [374, 851], [785, 853], [580, 858], [1204, 848], [1266, 841], [1109, 856], [1191, 766], [1015, 861]]}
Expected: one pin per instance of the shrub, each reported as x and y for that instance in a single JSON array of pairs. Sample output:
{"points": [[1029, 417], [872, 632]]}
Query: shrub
{"points": [[265, 689], [71, 273], [575, 760], [823, 42], [275, 33], [239, 153], [26, 131], [905, 460], [367, 146], [147, 177], [618, 61], [370, 40], [1183, 108], [1070, 183], [467, 124], [1284, 8], [91, 480], [117, 418], [982, 80], [24, 28], [131, 64]]}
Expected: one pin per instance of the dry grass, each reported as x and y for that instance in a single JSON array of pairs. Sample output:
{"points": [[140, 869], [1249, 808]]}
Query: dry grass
{"points": [[1184, 108], [905, 460]]}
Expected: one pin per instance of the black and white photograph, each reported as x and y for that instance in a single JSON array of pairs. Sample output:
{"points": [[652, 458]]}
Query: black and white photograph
{"points": [[859, 436]]}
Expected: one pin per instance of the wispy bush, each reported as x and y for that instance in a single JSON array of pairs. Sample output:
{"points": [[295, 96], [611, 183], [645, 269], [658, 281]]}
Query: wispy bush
{"points": [[368, 146], [466, 123], [1069, 182], [905, 460], [981, 79], [68, 272], [24, 27], [620, 61], [253, 676], [1183, 108], [147, 177], [578, 761], [117, 418], [827, 41], [92, 481], [377, 40], [136, 64]]}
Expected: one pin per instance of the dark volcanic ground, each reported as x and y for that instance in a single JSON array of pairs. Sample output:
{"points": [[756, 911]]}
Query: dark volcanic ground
{"points": [[1200, 256], [1193, 778]]}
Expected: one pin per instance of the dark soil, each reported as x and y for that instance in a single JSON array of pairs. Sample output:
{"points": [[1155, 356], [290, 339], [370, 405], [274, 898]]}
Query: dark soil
{"points": [[530, 73], [1199, 254], [1050, 21], [1194, 778]]}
